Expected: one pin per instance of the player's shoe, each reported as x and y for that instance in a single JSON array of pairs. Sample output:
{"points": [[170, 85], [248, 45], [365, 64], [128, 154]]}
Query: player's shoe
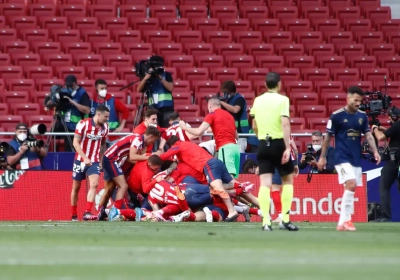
{"points": [[209, 217], [247, 187], [347, 226], [179, 218], [114, 212], [74, 218], [288, 226], [139, 214], [89, 217], [102, 215], [231, 219], [179, 193], [266, 228], [246, 214], [158, 216]]}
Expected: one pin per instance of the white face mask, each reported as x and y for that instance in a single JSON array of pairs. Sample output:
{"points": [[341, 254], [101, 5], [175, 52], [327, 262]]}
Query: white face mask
{"points": [[316, 147], [153, 124], [22, 137], [102, 93]]}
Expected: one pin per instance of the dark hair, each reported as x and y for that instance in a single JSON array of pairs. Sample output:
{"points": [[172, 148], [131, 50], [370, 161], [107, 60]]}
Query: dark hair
{"points": [[153, 131], [166, 164], [102, 109], [150, 112], [317, 133], [248, 164], [155, 160], [228, 86], [157, 59], [100, 82], [272, 79], [355, 90], [172, 140], [173, 116]]}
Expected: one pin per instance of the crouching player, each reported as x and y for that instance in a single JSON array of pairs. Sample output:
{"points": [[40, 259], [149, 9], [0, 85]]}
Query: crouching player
{"points": [[90, 137]]}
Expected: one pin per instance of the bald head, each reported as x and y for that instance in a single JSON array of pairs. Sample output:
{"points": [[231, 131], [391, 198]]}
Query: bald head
{"points": [[213, 104]]}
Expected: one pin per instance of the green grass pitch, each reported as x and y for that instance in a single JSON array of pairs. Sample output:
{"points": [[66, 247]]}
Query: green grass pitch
{"points": [[141, 251]]}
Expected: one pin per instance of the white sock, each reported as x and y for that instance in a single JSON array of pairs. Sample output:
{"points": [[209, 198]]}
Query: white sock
{"points": [[346, 207], [259, 212], [107, 211], [238, 209], [240, 204]]}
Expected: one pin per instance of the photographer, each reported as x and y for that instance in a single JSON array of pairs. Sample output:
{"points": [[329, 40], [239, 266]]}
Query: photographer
{"points": [[158, 86], [311, 157], [72, 104], [25, 158], [389, 172], [235, 104]]}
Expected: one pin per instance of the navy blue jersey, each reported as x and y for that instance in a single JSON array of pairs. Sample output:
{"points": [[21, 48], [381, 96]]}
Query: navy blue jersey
{"points": [[347, 128]]}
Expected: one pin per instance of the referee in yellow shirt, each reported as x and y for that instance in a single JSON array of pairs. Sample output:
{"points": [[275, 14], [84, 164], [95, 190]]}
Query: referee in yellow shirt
{"points": [[271, 124]]}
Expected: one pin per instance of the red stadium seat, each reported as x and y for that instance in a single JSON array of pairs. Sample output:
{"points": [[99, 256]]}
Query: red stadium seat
{"points": [[88, 60], [82, 23], [218, 37], [297, 123], [290, 49], [332, 61], [108, 48], [133, 11], [320, 49], [115, 23], [310, 37], [222, 12], [199, 49], [236, 24], [349, 74], [192, 74], [251, 12], [295, 24], [11, 72], [368, 3], [182, 99], [25, 59], [389, 61], [362, 61], [395, 74], [262, 24], [67, 10], [392, 87], [193, 11], [53, 22], [259, 49], [316, 12], [14, 9], [77, 48], [358, 24], [188, 110], [240, 61], [364, 85], [127, 36], [188, 36], [194, 121], [248, 37], [244, 87], [204, 24], [374, 74], [222, 2], [127, 73], [210, 61], [3, 110], [172, 24], [39, 72], [223, 74], [270, 62], [78, 72], [312, 111], [206, 86], [2, 21], [254, 74], [120, 95], [36, 119], [102, 11], [102, 73], [374, 13], [339, 37], [23, 22], [230, 49], [55, 60], [160, 11], [200, 99], [316, 74], [35, 35], [88, 85], [370, 37], [326, 25], [46, 47], [12, 97], [10, 120], [140, 23], [39, 10], [387, 25], [115, 60], [180, 61], [278, 37], [351, 49], [7, 34], [332, 98], [165, 49], [324, 87], [293, 111], [347, 12], [381, 49], [96, 36], [25, 109], [66, 36], [318, 123], [284, 12], [5, 59], [46, 84], [138, 48], [288, 74], [300, 61], [173, 71], [393, 37], [182, 86], [251, 3], [298, 87], [163, 2], [309, 98]]}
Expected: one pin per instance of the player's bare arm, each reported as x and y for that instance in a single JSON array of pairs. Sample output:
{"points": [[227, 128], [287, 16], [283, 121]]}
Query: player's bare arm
{"points": [[371, 142], [285, 122], [134, 155], [103, 148], [162, 144], [78, 149], [324, 149], [378, 132], [194, 131]]}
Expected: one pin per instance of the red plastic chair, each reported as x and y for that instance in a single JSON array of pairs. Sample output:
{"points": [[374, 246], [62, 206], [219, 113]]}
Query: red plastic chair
{"points": [[362, 61], [114, 23], [188, 36], [8, 34], [46, 84], [381, 49], [128, 73], [320, 49], [370, 37], [347, 12], [77, 48], [10, 120], [296, 24], [218, 37], [244, 87], [288, 74], [223, 74], [380, 13], [310, 37], [12, 97], [102, 11], [166, 49], [138, 48], [126, 36], [387, 25], [23, 22], [13, 9], [236, 24], [133, 11], [102, 73], [25, 109], [39, 10], [324, 87], [199, 49], [389, 61], [88, 60], [35, 35], [265, 24], [205, 24], [301, 61], [180, 61], [349, 50], [298, 87], [332, 98], [251, 12], [78, 72], [332, 61], [3, 110], [160, 11], [39, 72], [192, 74], [254, 74], [240, 61], [326, 25], [182, 99], [316, 74], [297, 123], [55, 60], [321, 12], [316, 123], [96, 36], [392, 87], [278, 37], [308, 98], [116, 60], [139, 23], [393, 37], [284, 12], [37, 119], [339, 38], [172, 24], [67, 10], [108, 48], [66, 36], [83, 23], [358, 24], [11, 72], [248, 37], [206, 86], [377, 74], [11, 47], [222, 12], [5, 59], [182, 86], [25, 59], [210, 61], [46, 47], [229, 49], [311, 111], [186, 111], [268, 61], [193, 11], [348, 74], [53, 22], [364, 85], [259, 49], [290, 49]]}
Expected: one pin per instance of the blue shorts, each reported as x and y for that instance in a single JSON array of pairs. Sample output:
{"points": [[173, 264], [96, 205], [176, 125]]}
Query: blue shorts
{"points": [[216, 170], [217, 209], [190, 180], [197, 195], [111, 169], [276, 178], [80, 170], [145, 203]]}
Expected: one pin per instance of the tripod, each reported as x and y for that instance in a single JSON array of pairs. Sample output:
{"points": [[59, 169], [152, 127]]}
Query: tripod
{"points": [[139, 111], [58, 116]]}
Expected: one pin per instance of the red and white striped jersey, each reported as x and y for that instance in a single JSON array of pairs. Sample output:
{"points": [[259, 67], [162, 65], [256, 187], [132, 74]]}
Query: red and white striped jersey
{"points": [[121, 149], [91, 137], [175, 130], [164, 193]]}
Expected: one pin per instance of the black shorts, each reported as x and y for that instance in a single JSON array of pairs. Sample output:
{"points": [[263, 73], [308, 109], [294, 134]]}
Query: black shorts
{"points": [[270, 158]]}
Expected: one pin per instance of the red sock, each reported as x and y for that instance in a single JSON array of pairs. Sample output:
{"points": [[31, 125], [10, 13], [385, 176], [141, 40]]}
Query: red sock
{"points": [[253, 211], [118, 203], [171, 210], [236, 185], [276, 198], [192, 217], [89, 206], [215, 216], [239, 191], [74, 210], [235, 201], [128, 214]]}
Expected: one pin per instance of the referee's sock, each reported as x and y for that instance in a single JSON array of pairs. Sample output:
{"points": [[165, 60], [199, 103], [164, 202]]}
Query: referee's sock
{"points": [[264, 197], [286, 198]]}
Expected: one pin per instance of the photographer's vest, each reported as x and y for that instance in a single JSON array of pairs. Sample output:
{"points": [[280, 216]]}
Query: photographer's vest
{"points": [[32, 157], [72, 115], [243, 122], [113, 121], [159, 96]]}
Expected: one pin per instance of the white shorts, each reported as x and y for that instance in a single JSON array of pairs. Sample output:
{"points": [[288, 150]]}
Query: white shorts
{"points": [[348, 172]]}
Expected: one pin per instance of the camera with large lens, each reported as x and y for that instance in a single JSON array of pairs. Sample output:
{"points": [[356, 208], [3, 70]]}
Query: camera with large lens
{"points": [[31, 141], [154, 66], [56, 98], [375, 104], [218, 95], [309, 155], [4, 150]]}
